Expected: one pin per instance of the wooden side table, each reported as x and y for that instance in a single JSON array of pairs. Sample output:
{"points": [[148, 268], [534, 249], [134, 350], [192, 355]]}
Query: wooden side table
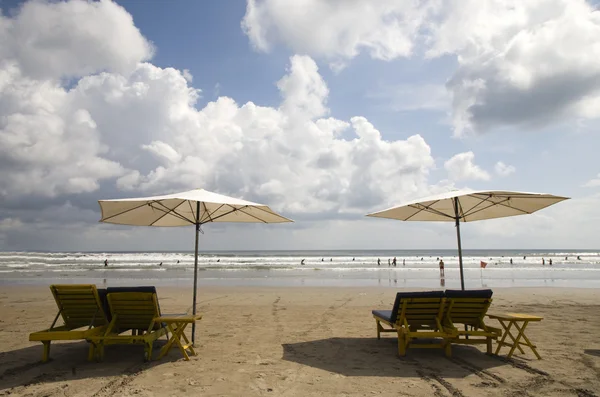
{"points": [[177, 324], [507, 320]]}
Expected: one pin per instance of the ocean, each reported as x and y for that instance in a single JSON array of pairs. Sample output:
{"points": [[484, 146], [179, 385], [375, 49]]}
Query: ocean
{"points": [[414, 268]]}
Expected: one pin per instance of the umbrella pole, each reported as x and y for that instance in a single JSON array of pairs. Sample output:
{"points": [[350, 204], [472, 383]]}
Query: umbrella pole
{"points": [[460, 261], [195, 270]]}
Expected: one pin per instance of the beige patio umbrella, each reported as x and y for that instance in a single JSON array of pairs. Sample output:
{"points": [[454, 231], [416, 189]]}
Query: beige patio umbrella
{"points": [[194, 207], [468, 206]]}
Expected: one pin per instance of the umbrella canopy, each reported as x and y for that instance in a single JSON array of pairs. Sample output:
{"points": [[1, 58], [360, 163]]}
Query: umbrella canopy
{"points": [[468, 206], [194, 207]]}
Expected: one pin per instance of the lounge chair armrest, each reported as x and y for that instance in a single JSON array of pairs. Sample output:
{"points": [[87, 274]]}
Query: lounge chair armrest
{"points": [[495, 330]]}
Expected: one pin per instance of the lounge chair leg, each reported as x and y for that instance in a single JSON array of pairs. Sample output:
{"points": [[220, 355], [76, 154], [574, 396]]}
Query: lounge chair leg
{"points": [[100, 352], [46, 354], [148, 351], [379, 328], [448, 349], [91, 352], [489, 346], [401, 344]]}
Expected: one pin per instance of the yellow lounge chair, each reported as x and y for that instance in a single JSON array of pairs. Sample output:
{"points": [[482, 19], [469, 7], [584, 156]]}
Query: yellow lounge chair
{"points": [[415, 315], [468, 309], [80, 306], [131, 309]]}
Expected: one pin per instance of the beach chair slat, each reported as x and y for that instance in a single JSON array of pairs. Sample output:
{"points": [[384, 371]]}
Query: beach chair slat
{"points": [[79, 306], [415, 317]]}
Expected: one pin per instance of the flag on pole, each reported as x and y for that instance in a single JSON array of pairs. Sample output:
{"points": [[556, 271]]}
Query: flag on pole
{"points": [[483, 264]]}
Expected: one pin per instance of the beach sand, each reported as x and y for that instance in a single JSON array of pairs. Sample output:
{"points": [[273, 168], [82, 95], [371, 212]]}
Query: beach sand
{"points": [[306, 342]]}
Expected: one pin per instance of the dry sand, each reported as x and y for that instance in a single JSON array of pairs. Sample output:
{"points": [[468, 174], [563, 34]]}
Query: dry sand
{"points": [[305, 342]]}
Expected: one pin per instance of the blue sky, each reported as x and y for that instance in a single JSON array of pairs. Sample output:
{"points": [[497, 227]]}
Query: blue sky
{"points": [[101, 101]]}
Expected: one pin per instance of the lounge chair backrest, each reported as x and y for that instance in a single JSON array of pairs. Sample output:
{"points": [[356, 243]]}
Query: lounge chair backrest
{"points": [[467, 307], [418, 308], [80, 305], [134, 307]]}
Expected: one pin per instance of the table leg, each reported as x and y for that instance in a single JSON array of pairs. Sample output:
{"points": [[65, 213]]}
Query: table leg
{"points": [[508, 333], [527, 341], [167, 347], [179, 330], [189, 345]]}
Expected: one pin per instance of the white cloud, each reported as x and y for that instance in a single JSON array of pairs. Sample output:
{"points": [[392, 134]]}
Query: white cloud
{"points": [[336, 30], [594, 182], [139, 130], [527, 64], [187, 75], [49, 145], [73, 38], [461, 167], [520, 63], [503, 169], [291, 156]]}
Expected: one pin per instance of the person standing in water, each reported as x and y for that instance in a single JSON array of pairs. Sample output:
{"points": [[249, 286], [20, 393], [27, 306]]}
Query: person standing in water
{"points": [[403, 262], [394, 262], [389, 262], [302, 262], [543, 262], [105, 262], [378, 262], [441, 268]]}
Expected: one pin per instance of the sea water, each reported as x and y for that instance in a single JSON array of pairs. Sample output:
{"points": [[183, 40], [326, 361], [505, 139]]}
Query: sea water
{"points": [[414, 268]]}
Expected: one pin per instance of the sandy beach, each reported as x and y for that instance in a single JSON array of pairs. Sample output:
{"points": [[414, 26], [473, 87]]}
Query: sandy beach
{"points": [[305, 342]]}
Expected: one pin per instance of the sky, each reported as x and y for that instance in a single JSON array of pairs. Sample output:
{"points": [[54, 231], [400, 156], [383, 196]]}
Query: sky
{"points": [[323, 110]]}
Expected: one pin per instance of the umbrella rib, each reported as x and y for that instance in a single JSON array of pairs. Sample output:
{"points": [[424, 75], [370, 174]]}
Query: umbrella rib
{"points": [[124, 212], [227, 213], [426, 208], [192, 210], [468, 212], [170, 211], [500, 203], [209, 214], [255, 217]]}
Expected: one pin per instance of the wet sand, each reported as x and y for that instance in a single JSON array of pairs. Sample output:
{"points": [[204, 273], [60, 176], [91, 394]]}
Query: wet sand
{"points": [[305, 342]]}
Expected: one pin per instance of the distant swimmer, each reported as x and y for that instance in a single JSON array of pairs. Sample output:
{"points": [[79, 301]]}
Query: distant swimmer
{"points": [[524, 257], [160, 264], [322, 259], [105, 262], [389, 261], [218, 260], [550, 261], [566, 258], [352, 259], [378, 262], [511, 261], [330, 259], [403, 262], [543, 261], [302, 262], [441, 268], [421, 258], [578, 258], [177, 260], [394, 262]]}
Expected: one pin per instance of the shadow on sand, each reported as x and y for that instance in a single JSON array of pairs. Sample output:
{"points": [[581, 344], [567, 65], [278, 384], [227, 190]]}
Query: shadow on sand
{"points": [[372, 357], [592, 352], [68, 361]]}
